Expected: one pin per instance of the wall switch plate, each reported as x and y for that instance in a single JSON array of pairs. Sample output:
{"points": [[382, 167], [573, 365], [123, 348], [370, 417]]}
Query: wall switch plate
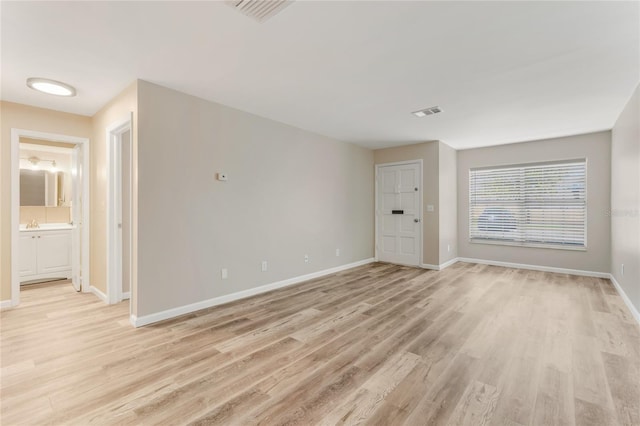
{"points": [[222, 177], [264, 266], [622, 269], [337, 252], [448, 247], [224, 273], [306, 258], [429, 207]]}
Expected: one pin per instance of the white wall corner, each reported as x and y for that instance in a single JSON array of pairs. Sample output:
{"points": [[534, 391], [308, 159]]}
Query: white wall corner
{"points": [[448, 263], [430, 266], [204, 304], [99, 293], [441, 266], [625, 298]]}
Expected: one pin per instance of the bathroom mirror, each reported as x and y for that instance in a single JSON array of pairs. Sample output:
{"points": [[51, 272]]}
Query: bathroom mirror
{"points": [[41, 188]]}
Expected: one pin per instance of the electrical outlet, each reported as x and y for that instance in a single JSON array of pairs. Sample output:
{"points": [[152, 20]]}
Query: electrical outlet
{"points": [[224, 273], [622, 269], [429, 207], [337, 252], [222, 176], [306, 258], [264, 266]]}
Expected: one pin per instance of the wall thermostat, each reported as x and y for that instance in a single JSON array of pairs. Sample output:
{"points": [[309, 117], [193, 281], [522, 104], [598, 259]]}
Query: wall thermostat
{"points": [[222, 176]]}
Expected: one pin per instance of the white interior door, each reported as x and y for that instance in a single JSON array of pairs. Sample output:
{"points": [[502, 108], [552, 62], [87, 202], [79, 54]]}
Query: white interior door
{"points": [[398, 214], [125, 212], [76, 217], [117, 210]]}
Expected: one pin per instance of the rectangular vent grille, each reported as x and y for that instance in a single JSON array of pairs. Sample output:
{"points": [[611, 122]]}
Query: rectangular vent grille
{"points": [[260, 10], [427, 111]]}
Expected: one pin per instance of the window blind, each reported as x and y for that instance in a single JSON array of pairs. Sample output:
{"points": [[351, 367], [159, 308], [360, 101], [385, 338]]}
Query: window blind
{"points": [[531, 205]]}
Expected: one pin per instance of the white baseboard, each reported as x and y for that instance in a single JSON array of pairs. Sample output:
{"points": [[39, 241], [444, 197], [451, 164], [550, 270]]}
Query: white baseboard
{"points": [[441, 266], [626, 299], [5, 304], [98, 293], [204, 304], [536, 267], [429, 266], [126, 295]]}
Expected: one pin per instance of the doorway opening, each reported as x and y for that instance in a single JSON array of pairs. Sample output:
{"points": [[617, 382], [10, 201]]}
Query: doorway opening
{"points": [[49, 210], [119, 210]]}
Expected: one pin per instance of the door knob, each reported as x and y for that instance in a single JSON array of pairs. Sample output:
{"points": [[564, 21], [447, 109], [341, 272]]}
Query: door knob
{"points": [[416, 220]]}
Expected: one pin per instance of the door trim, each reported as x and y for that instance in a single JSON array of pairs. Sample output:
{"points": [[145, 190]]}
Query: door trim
{"points": [[114, 170], [16, 134], [401, 163]]}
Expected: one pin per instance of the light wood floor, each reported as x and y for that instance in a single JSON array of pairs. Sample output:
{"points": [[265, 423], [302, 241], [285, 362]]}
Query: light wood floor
{"points": [[379, 344]]}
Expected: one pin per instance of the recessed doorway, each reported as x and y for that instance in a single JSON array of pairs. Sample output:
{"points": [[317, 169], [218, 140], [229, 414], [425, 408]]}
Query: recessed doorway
{"points": [[49, 209], [119, 210]]}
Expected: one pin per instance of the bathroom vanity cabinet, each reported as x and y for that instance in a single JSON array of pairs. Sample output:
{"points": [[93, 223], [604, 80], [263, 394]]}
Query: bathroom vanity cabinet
{"points": [[45, 254]]}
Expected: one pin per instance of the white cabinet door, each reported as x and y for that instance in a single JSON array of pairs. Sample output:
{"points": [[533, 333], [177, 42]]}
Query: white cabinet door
{"points": [[54, 251], [28, 254]]}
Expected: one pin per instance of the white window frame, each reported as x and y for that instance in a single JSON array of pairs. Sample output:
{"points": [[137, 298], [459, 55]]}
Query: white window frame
{"points": [[550, 245]]}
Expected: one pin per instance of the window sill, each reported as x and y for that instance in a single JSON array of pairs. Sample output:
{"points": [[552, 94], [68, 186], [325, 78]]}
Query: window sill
{"points": [[528, 245]]}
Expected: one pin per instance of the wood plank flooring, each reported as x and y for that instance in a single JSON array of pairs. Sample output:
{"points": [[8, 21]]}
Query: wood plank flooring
{"points": [[379, 344]]}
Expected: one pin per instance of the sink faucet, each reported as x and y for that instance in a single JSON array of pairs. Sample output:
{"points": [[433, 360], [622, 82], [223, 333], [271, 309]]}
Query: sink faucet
{"points": [[33, 224]]}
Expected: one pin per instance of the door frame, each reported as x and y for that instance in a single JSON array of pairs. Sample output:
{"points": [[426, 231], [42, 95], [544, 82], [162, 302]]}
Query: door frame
{"points": [[16, 134], [114, 206], [419, 162]]}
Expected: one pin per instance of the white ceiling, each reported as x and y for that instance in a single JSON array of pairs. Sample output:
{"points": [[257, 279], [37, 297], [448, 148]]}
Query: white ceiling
{"points": [[501, 71]]}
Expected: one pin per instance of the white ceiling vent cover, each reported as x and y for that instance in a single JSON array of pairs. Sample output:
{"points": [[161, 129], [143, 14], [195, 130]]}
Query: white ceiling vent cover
{"points": [[427, 111], [260, 10]]}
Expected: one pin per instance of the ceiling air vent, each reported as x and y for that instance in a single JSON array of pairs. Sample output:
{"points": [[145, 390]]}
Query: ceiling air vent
{"points": [[427, 111], [260, 10]]}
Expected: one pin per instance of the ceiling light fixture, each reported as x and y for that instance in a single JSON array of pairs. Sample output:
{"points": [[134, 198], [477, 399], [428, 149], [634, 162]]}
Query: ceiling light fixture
{"points": [[35, 163], [51, 87], [427, 111]]}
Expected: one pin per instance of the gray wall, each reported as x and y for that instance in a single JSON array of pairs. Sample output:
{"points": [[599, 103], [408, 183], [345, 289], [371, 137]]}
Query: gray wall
{"points": [[625, 199], [448, 179], [596, 147], [289, 193]]}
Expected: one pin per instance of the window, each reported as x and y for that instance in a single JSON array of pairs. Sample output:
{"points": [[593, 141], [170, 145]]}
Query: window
{"points": [[529, 205]]}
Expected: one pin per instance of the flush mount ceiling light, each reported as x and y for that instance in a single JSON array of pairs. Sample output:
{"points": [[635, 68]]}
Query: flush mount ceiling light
{"points": [[427, 111], [51, 87]]}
